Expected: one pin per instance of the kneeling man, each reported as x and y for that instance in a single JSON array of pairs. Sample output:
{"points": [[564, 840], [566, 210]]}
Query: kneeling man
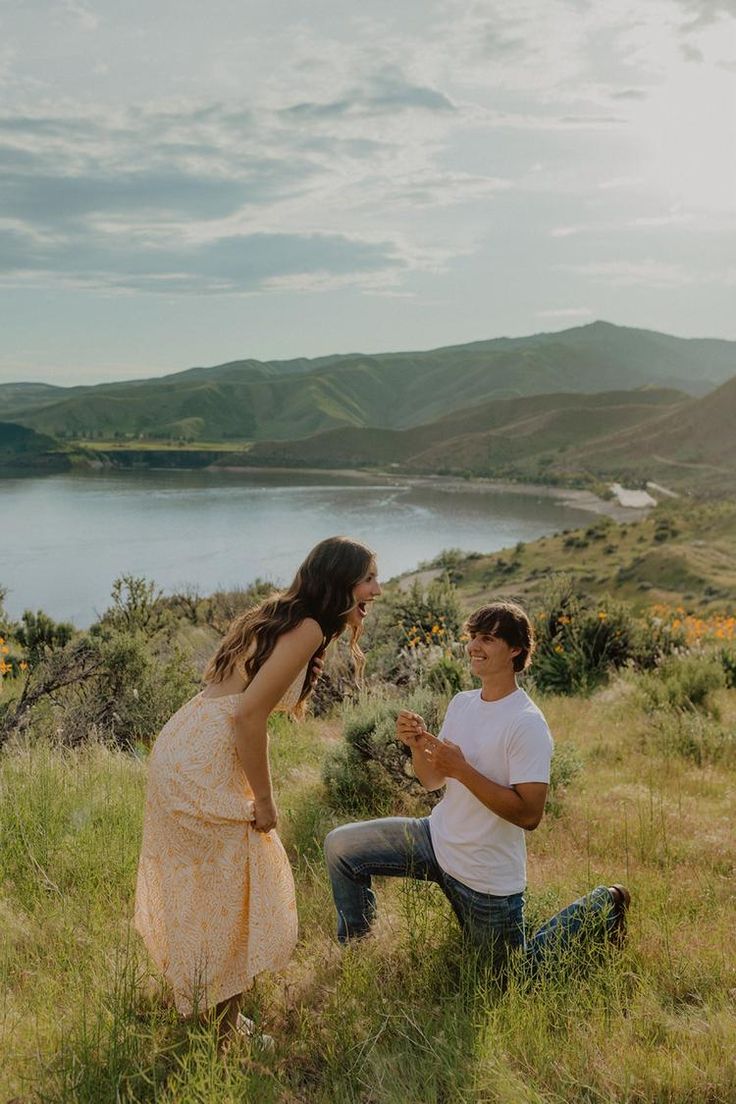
{"points": [[493, 758]]}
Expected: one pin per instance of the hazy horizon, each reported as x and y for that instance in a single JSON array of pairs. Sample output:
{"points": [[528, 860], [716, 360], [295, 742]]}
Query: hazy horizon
{"points": [[345, 352]]}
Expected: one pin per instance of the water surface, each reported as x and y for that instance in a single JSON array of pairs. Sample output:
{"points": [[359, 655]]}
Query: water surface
{"points": [[64, 538]]}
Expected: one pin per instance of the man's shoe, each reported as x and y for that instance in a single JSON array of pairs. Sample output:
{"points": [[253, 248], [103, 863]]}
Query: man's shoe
{"points": [[620, 901]]}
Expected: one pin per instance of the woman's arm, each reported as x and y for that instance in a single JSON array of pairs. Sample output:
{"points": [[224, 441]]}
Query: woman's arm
{"points": [[291, 654]]}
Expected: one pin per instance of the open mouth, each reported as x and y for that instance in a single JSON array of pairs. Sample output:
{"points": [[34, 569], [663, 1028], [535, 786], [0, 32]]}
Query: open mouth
{"points": [[362, 608]]}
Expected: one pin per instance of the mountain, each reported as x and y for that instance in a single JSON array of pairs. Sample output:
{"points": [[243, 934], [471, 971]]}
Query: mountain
{"points": [[285, 400], [485, 439], [693, 445], [23, 396]]}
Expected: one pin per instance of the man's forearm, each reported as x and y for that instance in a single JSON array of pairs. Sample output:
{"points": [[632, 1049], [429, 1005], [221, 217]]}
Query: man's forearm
{"points": [[504, 801]]}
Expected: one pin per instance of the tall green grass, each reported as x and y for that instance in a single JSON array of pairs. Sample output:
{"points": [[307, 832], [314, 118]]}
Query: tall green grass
{"points": [[404, 1017]]}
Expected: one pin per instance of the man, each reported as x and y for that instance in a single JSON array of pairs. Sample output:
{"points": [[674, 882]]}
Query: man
{"points": [[493, 758]]}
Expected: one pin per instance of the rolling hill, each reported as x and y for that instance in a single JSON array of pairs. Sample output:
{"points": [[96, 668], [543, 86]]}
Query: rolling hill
{"points": [[22, 449], [489, 438], [692, 445], [285, 400]]}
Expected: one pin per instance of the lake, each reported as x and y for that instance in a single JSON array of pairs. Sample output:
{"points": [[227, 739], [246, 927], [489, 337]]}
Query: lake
{"points": [[65, 538]]}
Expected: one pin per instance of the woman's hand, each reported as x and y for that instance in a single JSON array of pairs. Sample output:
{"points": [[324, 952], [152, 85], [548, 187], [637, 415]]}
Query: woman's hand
{"points": [[266, 814], [316, 668], [409, 727]]}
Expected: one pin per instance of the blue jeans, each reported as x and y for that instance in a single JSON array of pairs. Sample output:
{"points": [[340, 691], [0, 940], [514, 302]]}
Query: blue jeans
{"points": [[402, 847]]}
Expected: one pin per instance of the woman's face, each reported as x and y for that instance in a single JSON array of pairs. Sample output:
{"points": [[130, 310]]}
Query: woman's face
{"points": [[363, 594]]}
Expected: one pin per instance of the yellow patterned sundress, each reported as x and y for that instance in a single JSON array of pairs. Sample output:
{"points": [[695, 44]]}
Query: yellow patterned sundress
{"points": [[215, 900]]}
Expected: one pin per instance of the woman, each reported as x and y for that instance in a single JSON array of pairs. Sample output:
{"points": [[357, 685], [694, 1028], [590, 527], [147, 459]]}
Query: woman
{"points": [[215, 893]]}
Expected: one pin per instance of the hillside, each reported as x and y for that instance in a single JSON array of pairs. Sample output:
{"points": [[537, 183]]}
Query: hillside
{"points": [[680, 555], [487, 438], [284, 400], [693, 445], [22, 448]]}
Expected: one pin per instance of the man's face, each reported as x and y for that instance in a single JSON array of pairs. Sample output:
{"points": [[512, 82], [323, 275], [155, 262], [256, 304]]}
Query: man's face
{"points": [[490, 655]]}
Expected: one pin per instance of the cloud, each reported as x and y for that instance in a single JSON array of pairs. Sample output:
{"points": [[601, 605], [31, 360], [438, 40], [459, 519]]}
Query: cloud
{"points": [[647, 273], [384, 92], [87, 20], [629, 94], [705, 12], [237, 264]]}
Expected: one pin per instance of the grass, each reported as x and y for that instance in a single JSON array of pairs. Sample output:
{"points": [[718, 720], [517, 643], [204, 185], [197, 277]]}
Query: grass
{"points": [[402, 1018], [681, 554], [143, 445]]}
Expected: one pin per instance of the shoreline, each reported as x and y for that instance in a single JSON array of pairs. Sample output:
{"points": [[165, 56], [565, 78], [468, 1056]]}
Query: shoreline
{"points": [[576, 497]]}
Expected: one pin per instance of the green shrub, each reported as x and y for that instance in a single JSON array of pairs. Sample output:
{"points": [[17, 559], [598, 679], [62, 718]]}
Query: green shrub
{"points": [[449, 675], [691, 735], [566, 765], [370, 772], [727, 657], [119, 682], [682, 683], [578, 645], [412, 630], [38, 634]]}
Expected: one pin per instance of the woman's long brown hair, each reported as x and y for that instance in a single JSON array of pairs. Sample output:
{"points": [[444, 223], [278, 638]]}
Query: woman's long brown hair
{"points": [[322, 588]]}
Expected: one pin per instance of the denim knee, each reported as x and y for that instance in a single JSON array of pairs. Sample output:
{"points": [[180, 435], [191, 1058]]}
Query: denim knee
{"points": [[338, 844]]}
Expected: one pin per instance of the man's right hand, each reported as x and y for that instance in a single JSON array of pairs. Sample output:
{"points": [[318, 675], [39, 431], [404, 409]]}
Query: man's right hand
{"points": [[409, 728]]}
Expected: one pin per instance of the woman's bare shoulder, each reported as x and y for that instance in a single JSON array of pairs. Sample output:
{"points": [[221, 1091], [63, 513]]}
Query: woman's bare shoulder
{"points": [[308, 631]]}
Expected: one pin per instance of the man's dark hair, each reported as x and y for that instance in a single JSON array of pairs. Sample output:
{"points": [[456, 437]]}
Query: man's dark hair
{"points": [[509, 622]]}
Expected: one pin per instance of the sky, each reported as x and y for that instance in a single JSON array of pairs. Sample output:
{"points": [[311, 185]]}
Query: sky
{"points": [[186, 183]]}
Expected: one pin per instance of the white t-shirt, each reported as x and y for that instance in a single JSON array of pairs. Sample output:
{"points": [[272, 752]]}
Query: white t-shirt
{"points": [[508, 741]]}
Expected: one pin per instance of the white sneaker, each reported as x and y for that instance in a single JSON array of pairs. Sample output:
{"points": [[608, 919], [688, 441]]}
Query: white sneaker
{"points": [[247, 1028]]}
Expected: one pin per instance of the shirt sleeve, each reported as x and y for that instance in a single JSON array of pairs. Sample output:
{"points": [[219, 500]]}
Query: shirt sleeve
{"points": [[530, 750]]}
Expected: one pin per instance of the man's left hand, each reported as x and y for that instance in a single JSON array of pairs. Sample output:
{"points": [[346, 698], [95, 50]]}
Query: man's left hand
{"points": [[446, 758]]}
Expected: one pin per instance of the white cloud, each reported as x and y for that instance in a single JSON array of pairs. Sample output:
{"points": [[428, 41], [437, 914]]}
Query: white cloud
{"points": [[649, 273]]}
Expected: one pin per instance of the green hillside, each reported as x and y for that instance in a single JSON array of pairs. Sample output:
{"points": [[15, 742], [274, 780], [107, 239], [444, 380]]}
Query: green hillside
{"points": [[22, 448], [681, 554], [693, 446], [485, 439], [284, 400]]}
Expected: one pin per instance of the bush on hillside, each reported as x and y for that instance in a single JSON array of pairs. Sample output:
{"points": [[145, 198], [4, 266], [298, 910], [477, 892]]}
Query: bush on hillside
{"points": [[222, 607], [727, 657], [690, 735], [578, 644], [370, 772], [683, 684], [38, 634], [412, 632], [119, 682], [137, 607], [566, 765]]}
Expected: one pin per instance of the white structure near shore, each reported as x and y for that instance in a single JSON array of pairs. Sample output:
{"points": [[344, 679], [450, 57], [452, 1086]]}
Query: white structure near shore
{"points": [[634, 500]]}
